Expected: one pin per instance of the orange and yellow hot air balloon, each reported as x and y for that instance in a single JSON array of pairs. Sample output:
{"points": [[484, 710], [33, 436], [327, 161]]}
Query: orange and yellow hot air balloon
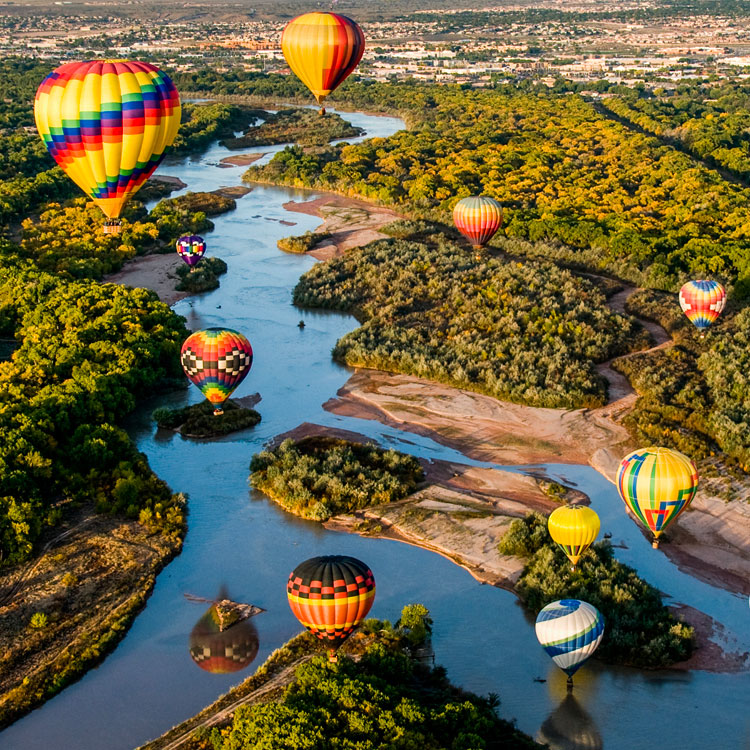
{"points": [[108, 123], [657, 484], [702, 301], [322, 49], [478, 218], [330, 596], [573, 528]]}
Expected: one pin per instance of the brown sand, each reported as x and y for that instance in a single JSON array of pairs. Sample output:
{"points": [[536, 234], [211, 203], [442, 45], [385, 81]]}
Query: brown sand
{"points": [[240, 160], [155, 272], [350, 222]]}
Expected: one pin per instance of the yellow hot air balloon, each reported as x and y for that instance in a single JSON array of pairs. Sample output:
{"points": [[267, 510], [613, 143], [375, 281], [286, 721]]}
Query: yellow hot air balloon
{"points": [[108, 123], [574, 529], [322, 49]]}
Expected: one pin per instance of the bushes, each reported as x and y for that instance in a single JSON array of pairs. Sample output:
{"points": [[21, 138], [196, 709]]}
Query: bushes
{"points": [[640, 631], [319, 477], [199, 421], [302, 242], [203, 278], [524, 332]]}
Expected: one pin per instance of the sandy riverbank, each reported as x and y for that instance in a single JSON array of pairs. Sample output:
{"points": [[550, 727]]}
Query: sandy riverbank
{"points": [[240, 160], [350, 222], [155, 272]]}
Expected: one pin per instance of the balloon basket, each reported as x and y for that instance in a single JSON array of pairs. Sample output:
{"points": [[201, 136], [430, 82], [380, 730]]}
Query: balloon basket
{"points": [[569, 684], [332, 657], [114, 226], [218, 411], [655, 544], [322, 112]]}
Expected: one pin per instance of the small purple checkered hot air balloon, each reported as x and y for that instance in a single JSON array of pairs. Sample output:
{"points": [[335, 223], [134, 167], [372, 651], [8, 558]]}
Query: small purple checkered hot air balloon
{"points": [[191, 247]]}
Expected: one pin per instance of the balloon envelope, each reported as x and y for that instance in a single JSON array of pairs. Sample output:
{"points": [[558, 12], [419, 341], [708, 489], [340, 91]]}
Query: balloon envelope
{"points": [[702, 301], [191, 248], [221, 651], [574, 529], [107, 123], [478, 218], [570, 631], [331, 595], [217, 360], [322, 49], [657, 484]]}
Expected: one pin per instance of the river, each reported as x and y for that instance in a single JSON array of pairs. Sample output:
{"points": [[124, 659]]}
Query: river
{"points": [[239, 540]]}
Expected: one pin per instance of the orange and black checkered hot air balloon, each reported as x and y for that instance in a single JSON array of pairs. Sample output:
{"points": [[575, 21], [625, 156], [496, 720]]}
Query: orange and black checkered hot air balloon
{"points": [[478, 218], [330, 596], [322, 49]]}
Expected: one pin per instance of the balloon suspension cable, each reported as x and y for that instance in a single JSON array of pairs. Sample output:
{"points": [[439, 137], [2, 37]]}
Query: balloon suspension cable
{"points": [[570, 683], [218, 411], [332, 658]]}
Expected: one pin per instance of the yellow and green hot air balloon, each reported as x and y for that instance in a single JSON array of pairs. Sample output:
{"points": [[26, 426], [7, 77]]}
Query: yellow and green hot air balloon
{"points": [[657, 484], [322, 49], [573, 528], [108, 123]]}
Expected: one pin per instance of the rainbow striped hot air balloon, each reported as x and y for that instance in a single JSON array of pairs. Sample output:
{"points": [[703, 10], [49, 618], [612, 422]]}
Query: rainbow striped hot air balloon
{"points": [[702, 302], [657, 484], [570, 631], [478, 218], [573, 528], [217, 360], [191, 247], [108, 123], [322, 49], [330, 596]]}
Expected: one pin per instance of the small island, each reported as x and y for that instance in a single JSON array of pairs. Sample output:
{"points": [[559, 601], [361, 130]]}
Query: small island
{"points": [[198, 420], [302, 126], [203, 278], [302, 243]]}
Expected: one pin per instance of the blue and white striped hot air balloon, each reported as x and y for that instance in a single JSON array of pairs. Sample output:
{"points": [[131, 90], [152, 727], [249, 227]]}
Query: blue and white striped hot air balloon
{"points": [[570, 631]]}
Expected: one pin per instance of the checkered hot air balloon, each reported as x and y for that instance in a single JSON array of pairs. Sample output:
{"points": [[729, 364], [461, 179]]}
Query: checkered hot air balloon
{"points": [[322, 49], [702, 301], [222, 651], [573, 528], [657, 484], [478, 218], [330, 596], [108, 123], [191, 247], [570, 631], [217, 360]]}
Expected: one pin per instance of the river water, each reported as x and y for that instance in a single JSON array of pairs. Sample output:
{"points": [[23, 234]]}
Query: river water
{"points": [[239, 541]]}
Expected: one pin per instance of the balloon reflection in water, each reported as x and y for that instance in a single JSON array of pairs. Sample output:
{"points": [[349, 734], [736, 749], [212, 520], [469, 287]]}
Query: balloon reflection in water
{"points": [[569, 727], [221, 651]]}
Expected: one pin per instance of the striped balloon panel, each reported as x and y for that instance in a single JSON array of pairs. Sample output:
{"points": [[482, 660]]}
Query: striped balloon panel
{"points": [[478, 218], [657, 484], [217, 361], [221, 652], [570, 631], [573, 529], [191, 248], [322, 49], [107, 123], [331, 595], [702, 302]]}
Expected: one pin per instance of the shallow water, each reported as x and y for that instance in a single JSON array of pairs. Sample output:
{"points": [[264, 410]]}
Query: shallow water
{"points": [[239, 540]]}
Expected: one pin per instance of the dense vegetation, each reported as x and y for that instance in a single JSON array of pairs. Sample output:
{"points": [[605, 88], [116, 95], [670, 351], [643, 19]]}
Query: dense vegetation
{"points": [[602, 194], [301, 243], [199, 421], [526, 332], [303, 126], [203, 277], [639, 629], [320, 477], [383, 700]]}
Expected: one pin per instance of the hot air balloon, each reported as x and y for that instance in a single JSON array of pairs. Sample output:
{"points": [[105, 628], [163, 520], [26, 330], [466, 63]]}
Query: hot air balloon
{"points": [[322, 49], [190, 247], [702, 302], [330, 596], [570, 631], [221, 651], [108, 123], [478, 218], [657, 484], [574, 529], [217, 361]]}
